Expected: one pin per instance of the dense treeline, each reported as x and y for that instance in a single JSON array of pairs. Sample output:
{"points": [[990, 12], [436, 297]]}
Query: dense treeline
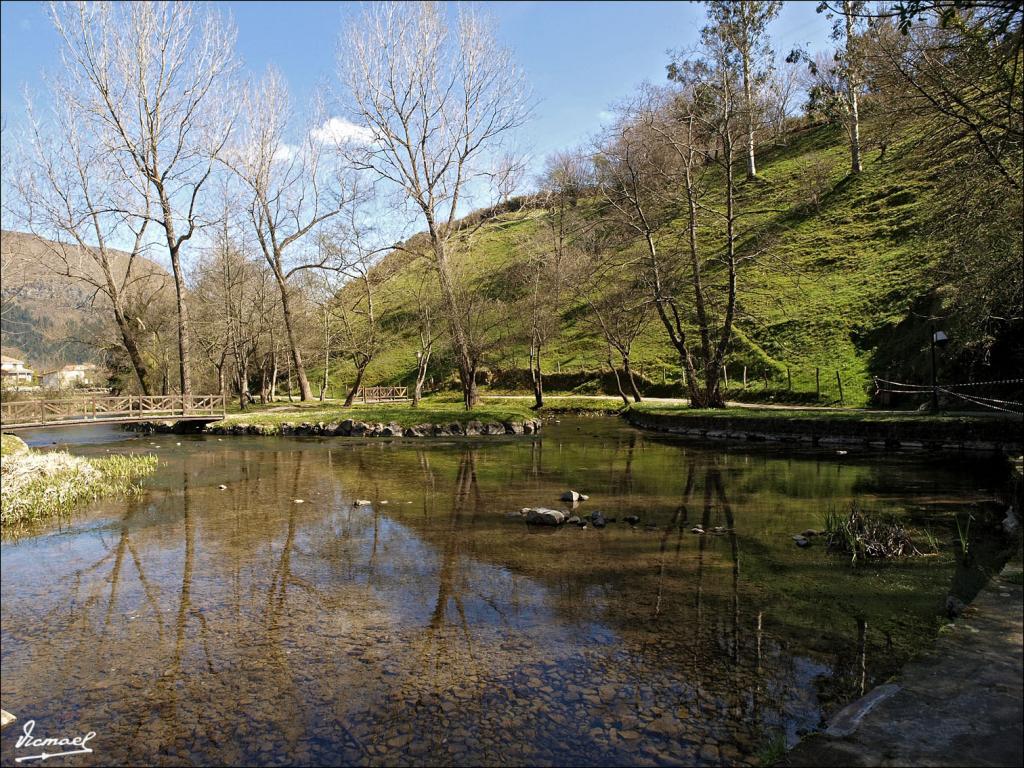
{"points": [[280, 222]]}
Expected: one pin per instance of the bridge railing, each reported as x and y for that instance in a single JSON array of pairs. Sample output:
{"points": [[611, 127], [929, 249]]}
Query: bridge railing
{"points": [[81, 410], [382, 394]]}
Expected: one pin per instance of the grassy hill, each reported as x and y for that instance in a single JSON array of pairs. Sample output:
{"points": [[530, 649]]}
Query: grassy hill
{"points": [[835, 292]]}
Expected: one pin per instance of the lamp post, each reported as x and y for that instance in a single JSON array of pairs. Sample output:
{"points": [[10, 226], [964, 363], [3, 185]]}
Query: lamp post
{"points": [[939, 339]]}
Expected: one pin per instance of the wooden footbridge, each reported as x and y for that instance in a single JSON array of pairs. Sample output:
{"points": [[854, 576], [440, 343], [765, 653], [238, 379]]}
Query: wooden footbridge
{"points": [[121, 409]]}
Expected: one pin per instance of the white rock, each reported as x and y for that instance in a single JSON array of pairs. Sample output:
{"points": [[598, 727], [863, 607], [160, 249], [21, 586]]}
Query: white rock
{"points": [[363, 502], [222, 487], [544, 516], [299, 501]]}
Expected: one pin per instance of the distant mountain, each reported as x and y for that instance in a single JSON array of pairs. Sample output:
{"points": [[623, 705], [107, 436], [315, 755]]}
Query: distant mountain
{"points": [[48, 308]]}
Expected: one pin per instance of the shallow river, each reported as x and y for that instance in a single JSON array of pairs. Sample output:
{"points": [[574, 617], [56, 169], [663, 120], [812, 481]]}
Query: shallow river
{"points": [[195, 625]]}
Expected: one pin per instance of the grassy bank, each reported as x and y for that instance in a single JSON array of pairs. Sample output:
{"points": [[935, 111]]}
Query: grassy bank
{"points": [[554, 404], [37, 486], [430, 411]]}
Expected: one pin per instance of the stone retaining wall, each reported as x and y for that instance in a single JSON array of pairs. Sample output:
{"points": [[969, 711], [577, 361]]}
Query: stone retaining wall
{"points": [[355, 428], [984, 436]]}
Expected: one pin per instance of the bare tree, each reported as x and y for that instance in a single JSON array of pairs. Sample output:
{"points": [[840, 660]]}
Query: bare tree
{"points": [[661, 157], [355, 305], [440, 103], [551, 256], [73, 200], [151, 78], [743, 26], [847, 21], [428, 332], [291, 189]]}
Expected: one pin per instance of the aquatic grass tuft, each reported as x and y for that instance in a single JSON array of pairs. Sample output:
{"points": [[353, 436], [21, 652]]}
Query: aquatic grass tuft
{"points": [[864, 534], [963, 533], [36, 486], [772, 750]]}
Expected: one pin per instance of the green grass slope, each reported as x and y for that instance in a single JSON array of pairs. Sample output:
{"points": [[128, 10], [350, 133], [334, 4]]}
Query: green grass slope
{"points": [[834, 291]]}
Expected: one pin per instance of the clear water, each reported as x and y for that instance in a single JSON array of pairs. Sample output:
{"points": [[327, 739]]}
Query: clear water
{"points": [[194, 625]]}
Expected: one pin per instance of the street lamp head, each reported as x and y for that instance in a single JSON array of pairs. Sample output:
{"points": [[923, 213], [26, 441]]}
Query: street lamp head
{"points": [[940, 338]]}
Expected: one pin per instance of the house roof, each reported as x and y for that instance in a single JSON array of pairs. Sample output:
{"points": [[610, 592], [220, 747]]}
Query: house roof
{"points": [[6, 359]]}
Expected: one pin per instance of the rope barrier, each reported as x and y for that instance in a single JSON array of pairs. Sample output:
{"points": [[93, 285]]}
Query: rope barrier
{"points": [[997, 404]]}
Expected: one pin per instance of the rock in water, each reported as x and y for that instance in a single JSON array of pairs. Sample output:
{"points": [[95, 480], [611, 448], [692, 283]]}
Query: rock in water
{"points": [[631, 519], [801, 541], [954, 606], [698, 530], [574, 520], [597, 519], [363, 502], [544, 516], [574, 496]]}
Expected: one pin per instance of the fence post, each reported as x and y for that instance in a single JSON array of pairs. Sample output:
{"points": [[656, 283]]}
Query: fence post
{"points": [[817, 382], [42, 412], [839, 381], [789, 379]]}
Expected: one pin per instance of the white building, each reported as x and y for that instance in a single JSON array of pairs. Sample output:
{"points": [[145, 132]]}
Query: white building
{"points": [[14, 372], [76, 375]]}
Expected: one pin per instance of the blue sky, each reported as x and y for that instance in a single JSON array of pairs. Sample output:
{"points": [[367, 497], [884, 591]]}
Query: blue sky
{"points": [[580, 57]]}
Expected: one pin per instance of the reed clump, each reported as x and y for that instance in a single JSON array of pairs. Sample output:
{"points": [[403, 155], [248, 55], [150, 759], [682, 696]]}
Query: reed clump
{"points": [[35, 486], [866, 535]]}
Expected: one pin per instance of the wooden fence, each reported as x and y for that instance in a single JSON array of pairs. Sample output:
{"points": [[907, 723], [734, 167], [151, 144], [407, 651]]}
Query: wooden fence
{"points": [[122, 408], [382, 394]]}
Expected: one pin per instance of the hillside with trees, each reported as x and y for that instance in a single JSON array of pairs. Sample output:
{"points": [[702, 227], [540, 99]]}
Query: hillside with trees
{"points": [[757, 225]]}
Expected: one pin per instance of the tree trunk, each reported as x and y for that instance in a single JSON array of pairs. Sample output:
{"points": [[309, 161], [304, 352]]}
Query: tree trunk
{"points": [[470, 396], [852, 81], [460, 341], [629, 377], [184, 340], [273, 372], [289, 360], [749, 98], [536, 376], [618, 382], [351, 396], [132, 348], [305, 391], [421, 375], [327, 357]]}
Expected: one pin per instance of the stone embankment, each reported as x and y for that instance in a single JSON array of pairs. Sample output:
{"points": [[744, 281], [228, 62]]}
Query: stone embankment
{"points": [[356, 428], [959, 704], [975, 436]]}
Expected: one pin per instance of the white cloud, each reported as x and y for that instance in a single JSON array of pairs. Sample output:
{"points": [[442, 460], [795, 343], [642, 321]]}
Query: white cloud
{"points": [[284, 153], [338, 130]]}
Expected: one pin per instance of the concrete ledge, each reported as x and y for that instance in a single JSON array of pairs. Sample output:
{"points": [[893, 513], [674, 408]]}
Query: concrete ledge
{"points": [[983, 436]]}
